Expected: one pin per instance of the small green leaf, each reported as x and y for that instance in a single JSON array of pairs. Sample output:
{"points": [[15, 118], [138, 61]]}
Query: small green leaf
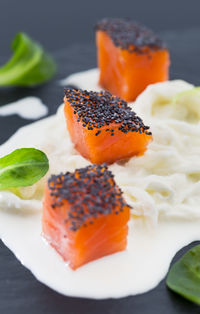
{"points": [[29, 65], [23, 167], [188, 93], [186, 105], [184, 276]]}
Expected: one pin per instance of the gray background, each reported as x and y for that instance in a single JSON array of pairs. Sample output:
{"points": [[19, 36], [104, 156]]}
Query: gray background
{"points": [[59, 23], [65, 28]]}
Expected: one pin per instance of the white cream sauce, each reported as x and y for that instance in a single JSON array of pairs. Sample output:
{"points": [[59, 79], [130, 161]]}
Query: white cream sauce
{"points": [[30, 108], [163, 187]]}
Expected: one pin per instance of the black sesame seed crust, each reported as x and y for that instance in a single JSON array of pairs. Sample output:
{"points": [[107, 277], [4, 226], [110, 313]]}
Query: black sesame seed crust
{"points": [[90, 191], [95, 110], [129, 35]]}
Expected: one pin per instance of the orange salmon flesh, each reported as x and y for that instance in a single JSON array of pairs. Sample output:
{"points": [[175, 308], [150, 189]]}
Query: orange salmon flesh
{"points": [[107, 234], [104, 147], [126, 74]]}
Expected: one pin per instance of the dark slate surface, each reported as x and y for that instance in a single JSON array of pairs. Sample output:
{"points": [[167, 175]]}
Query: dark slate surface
{"points": [[20, 292]]}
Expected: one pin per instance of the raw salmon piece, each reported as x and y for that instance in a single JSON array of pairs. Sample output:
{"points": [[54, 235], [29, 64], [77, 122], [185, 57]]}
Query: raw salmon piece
{"points": [[84, 215], [102, 127], [130, 57]]}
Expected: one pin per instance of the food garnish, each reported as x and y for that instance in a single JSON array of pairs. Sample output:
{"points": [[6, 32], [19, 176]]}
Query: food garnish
{"points": [[22, 167], [188, 93], [30, 65], [184, 275]]}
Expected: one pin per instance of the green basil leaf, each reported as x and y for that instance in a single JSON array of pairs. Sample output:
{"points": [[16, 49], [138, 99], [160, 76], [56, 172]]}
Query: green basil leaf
{"points": [[29, 65], [184, 276], [23, 167]]}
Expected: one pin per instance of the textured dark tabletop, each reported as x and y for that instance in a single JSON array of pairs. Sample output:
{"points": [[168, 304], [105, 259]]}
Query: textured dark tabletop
{"points": [[20, 292]]}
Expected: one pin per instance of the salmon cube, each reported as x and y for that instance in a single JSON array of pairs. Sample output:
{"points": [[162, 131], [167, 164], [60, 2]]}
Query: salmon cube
{"points": [[130, 57], [104, 128], [84, 215]]}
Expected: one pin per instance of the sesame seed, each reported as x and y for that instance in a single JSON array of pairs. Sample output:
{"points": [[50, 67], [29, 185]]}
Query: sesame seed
{"points": [[98, 133]]}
